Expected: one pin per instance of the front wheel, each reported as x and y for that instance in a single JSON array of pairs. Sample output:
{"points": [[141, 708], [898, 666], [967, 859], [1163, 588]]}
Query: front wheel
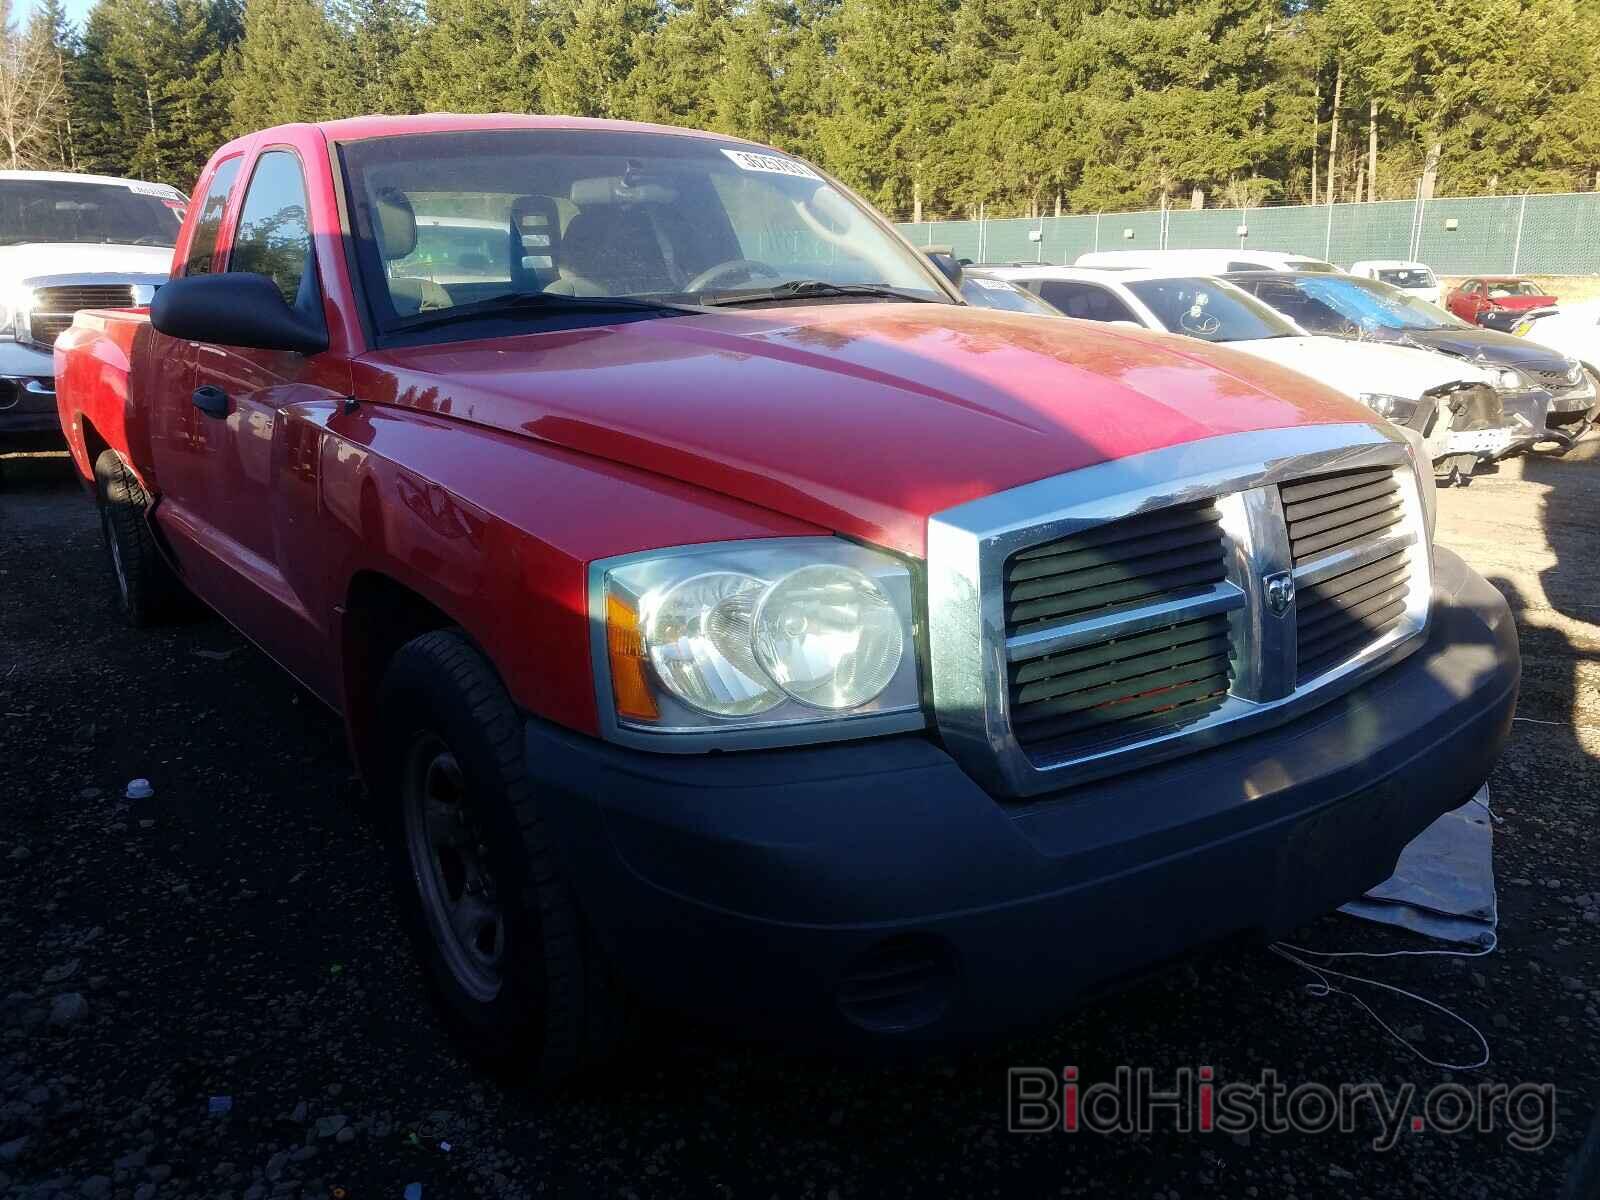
{"points": [[480, 887]]}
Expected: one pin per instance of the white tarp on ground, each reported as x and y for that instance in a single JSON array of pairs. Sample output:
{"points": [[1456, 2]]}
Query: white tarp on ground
{"points": [[1443, 885]]}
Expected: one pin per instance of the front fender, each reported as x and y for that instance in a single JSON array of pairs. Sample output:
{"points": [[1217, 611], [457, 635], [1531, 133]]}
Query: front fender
{"points": [[496, 532]]}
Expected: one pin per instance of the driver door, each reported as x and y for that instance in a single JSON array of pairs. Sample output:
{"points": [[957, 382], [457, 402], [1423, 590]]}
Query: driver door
{"points": [[261, 480]]}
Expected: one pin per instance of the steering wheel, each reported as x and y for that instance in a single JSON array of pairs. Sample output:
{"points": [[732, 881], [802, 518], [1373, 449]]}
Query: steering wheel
{"points": [[749, 267]]}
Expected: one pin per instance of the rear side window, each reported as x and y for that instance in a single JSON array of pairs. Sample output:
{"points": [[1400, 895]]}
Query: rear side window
{"points": [[273, 237], [208, 209], [1085, 301]]}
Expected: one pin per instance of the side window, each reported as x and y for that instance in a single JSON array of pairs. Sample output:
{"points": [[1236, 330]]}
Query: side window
{"points": [[208, 209], [273, 237], [1085, 301]]}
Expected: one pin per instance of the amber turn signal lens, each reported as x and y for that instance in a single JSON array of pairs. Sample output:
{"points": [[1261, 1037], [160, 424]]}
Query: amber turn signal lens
{"points": [[630, 690]]}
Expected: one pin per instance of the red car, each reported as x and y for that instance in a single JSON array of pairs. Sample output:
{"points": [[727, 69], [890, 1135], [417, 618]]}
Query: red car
{"points": [[1496, 301], [724, 615]]}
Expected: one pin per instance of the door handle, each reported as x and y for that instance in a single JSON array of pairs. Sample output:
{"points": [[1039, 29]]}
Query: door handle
{"points": [[212, 401]]}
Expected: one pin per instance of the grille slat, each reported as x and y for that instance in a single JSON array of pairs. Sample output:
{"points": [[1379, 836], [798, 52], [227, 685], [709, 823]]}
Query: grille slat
{"points": [[1081, 575], [1130, 715], [1377, 506], [1171, 675], [1139, 559], [1338, 616], [1122, 670], [1131, 528], [1335, 653], [1334, 511], [1347, 607]]}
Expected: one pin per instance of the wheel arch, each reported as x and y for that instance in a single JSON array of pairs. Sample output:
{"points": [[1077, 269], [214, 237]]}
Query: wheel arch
{"points": [[380, 614]]}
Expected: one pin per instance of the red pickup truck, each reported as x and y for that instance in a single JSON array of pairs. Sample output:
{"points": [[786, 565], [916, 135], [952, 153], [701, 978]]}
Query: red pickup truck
{"points": [[724, 615]]}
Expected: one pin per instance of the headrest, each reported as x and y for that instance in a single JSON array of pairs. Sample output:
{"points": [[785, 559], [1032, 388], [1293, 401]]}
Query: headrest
{"points": [[394, 222]]}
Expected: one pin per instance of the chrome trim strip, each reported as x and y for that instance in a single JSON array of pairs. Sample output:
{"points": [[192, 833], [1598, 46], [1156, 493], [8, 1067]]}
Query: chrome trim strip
{"points": [[969, 545], [1223, 597], [1267, 664]]}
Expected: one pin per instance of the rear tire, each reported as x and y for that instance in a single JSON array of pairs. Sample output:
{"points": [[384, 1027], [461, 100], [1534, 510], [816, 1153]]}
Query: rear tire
{"points": [[146, 590], [482, 893]]}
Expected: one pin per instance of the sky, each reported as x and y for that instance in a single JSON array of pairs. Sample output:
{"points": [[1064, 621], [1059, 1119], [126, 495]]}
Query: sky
{"points": [[76, 10]]}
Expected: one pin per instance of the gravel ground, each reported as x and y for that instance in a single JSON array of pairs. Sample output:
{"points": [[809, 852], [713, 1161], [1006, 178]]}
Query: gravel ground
{"points": [[233, 937]]}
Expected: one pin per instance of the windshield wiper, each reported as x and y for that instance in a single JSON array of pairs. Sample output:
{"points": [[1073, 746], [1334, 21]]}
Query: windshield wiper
{"points": [[540, 302], [796, 289]]}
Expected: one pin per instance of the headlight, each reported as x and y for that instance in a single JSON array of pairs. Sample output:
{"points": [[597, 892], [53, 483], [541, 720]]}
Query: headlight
{"points": [[1398, 409], [1507, 380], [754, 643]]}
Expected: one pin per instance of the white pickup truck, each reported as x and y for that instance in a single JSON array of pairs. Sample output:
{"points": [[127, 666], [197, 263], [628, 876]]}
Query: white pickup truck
{"points": [[69, 242]]}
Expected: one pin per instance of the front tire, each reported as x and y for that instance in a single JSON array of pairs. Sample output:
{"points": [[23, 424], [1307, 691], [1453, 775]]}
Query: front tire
{"points": [[481, 890], [147, 592]]}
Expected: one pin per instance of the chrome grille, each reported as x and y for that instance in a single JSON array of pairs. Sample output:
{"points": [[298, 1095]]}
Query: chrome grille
{"points": [[54, 307], [1160, 678], [1141, 608], [1340, 613]]}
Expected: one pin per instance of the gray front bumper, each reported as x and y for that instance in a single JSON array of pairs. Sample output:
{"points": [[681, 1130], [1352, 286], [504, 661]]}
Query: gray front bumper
{"points": [[27, 390]]}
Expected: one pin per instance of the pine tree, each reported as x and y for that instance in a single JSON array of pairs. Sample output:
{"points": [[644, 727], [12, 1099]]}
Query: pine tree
{"points": [[892, 114], [288, 66], [746, 94], [589, 52], [379, 35], [474, 56], [50, 27], [676, 64]]}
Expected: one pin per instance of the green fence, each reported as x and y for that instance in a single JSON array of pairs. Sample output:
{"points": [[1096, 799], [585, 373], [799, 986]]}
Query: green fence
{"points": [[1532, 235]]}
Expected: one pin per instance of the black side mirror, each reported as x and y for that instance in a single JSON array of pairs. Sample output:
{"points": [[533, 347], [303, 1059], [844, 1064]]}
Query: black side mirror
{"points": [[944, 258], [235, 309]]}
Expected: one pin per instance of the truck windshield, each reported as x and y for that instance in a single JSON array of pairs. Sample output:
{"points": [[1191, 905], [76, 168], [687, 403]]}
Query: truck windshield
{"points": [[443, 221], [47, 210], [1345, 306], [1210, 309]]}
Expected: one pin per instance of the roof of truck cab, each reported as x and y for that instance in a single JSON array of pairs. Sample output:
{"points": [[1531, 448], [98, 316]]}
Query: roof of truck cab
{"points": [[351, 129]]}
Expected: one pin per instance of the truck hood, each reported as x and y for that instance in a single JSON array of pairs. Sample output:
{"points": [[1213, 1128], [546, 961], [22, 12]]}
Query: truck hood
{"points": [[863, 419], [1355, 368], [36, 262]]}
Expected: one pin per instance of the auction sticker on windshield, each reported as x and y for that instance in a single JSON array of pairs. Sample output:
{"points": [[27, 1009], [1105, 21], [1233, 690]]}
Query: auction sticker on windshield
{"points": [[771, 164]]}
